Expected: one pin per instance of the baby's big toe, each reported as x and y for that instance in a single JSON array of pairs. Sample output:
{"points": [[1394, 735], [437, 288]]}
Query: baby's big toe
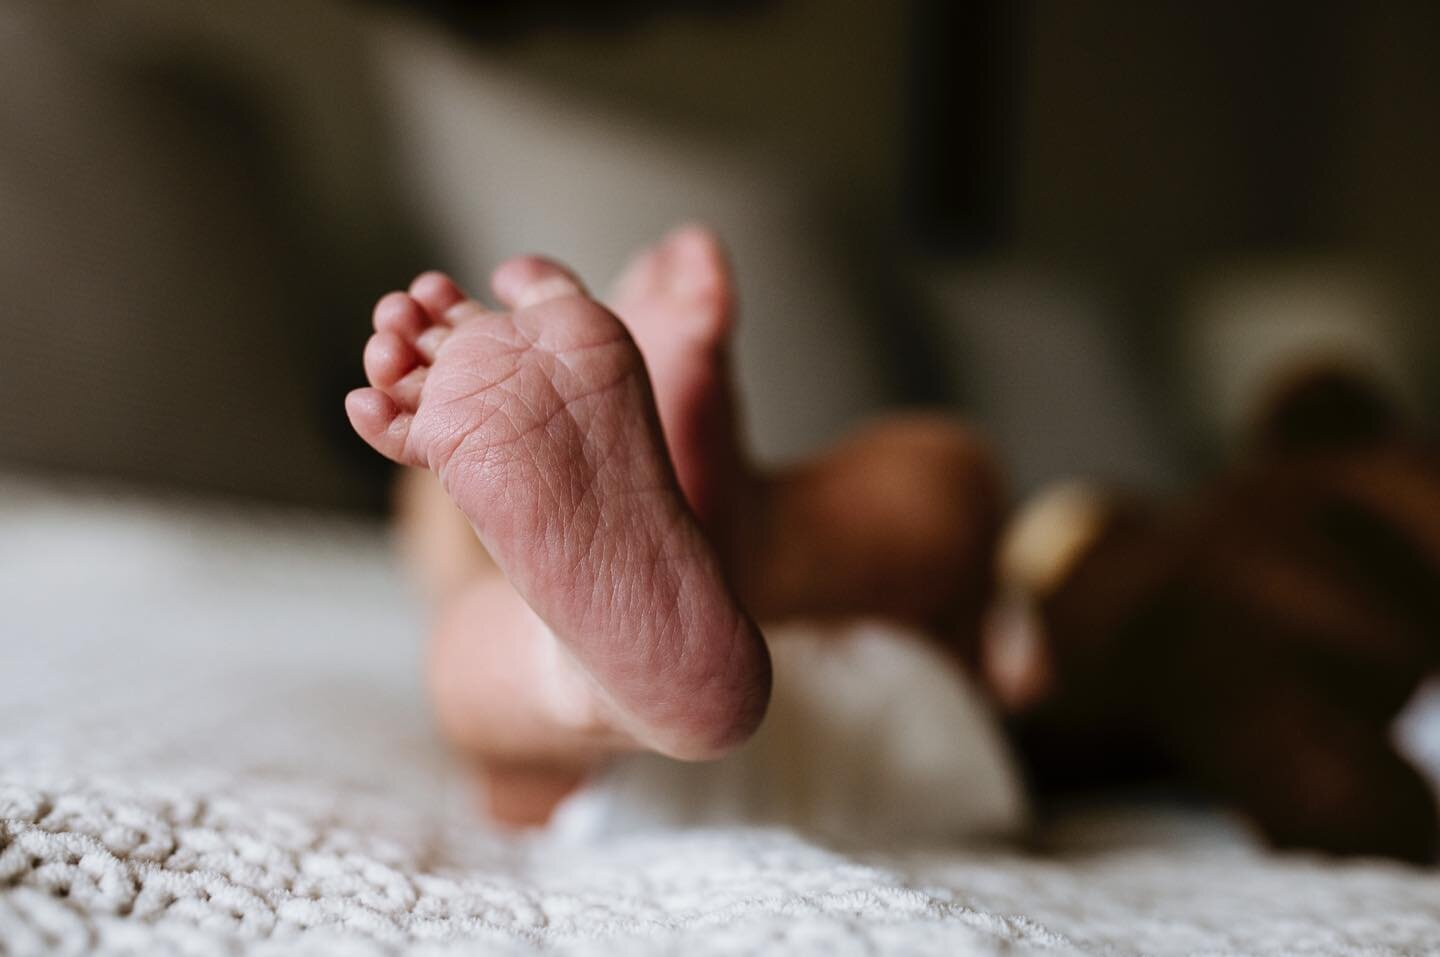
{"points": [[526, 281], [698, 269]]}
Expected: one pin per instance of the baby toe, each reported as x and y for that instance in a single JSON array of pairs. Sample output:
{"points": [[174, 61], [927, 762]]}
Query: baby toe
{"points": [[407, 389], [399, 313], [437, 293], [641, 277], [387, 358], [380, 422], [430, 341], [530, 280]]}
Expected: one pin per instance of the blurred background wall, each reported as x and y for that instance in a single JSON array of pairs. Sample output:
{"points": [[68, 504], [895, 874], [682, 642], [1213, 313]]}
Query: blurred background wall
{"points": [[1097, 228]]}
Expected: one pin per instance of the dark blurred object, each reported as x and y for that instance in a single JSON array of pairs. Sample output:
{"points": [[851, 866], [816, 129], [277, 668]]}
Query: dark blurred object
{"points": [[1326, 409], [1141, 138], [498, 21], [1258, 126], [196, 221], [1258, 640], [965, 71]]}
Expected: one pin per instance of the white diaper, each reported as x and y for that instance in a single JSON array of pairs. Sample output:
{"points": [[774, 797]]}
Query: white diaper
{"points": [[872, 736]]}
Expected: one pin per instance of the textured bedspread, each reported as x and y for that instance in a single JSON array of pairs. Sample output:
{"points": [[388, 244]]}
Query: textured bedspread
{"points": [[213, 741]]}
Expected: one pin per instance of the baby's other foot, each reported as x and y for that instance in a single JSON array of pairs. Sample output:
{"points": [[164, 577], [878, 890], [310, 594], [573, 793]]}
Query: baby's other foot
{"points": [[678, 300], [541, 426]]}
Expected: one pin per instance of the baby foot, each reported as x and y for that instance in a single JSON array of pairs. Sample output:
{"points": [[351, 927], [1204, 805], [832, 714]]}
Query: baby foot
{"points": [[541, 426], [678, 300]]}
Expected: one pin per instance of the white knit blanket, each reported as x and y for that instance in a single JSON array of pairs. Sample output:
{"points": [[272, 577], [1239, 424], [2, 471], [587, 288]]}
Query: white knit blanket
{"points": [[213, 741]]}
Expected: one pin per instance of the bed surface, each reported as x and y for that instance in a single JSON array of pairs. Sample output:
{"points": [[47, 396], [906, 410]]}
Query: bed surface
{"points": [[213, 741]]}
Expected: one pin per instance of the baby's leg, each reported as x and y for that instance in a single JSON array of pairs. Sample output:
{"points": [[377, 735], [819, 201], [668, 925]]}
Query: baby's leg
{"points": [[488, 670], [896, 522], [540, 426], [677, 300]]}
